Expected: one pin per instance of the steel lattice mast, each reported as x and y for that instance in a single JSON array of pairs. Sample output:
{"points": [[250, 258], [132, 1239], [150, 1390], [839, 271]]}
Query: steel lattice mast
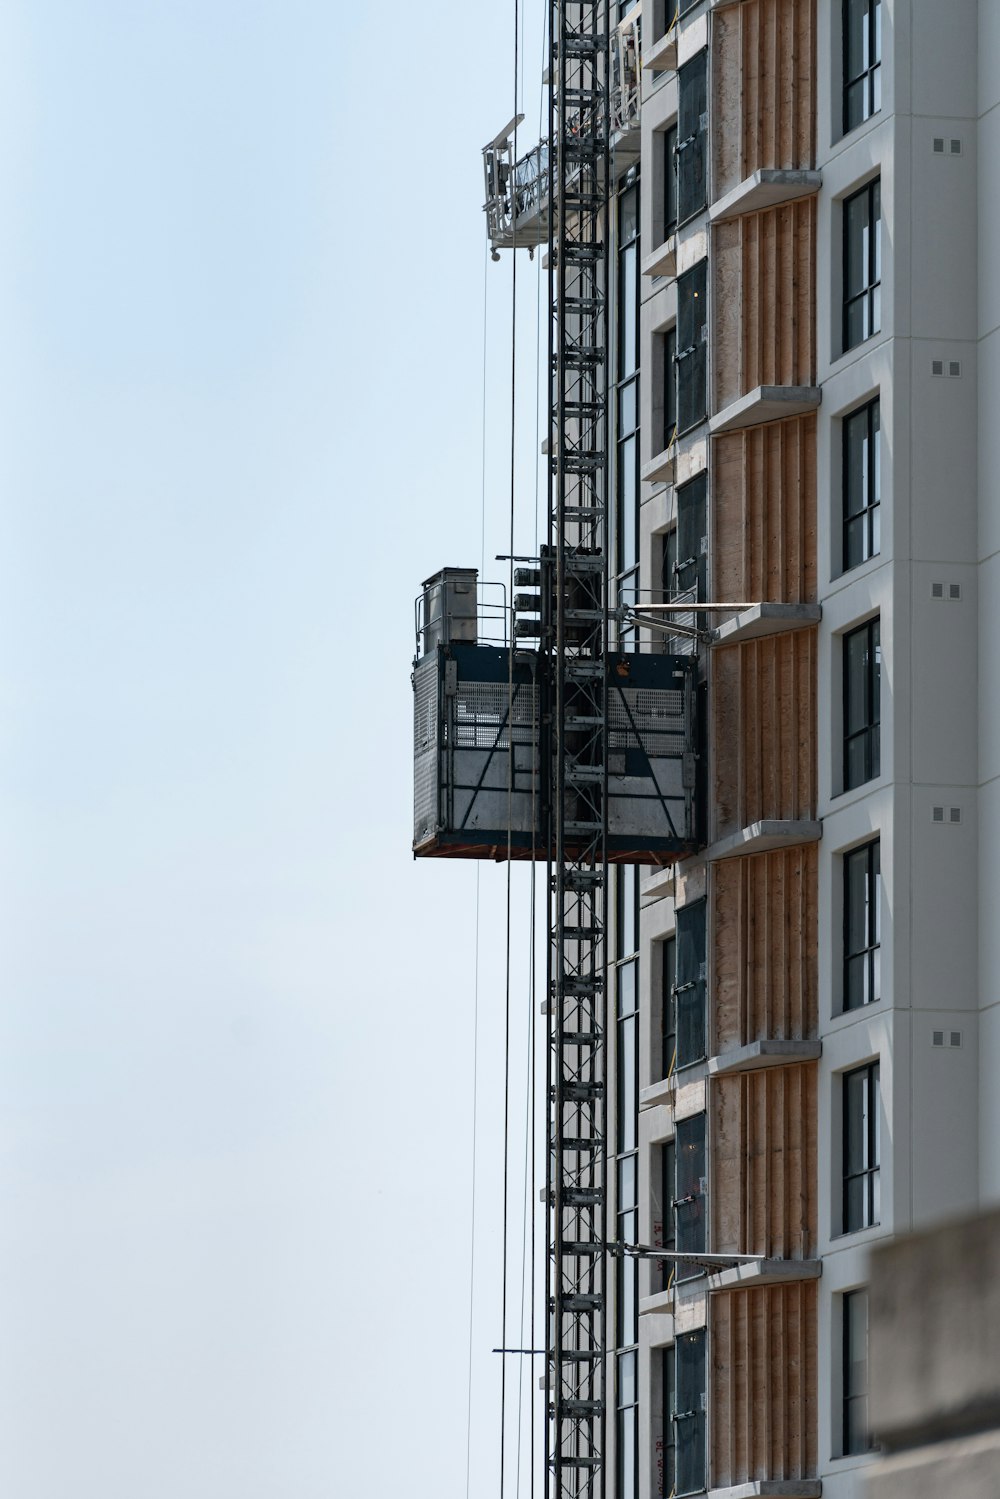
{"points": [[577, 866]]}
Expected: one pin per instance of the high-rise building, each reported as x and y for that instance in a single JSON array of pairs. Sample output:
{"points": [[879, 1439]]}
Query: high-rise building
{"points": [[803, 1015]]}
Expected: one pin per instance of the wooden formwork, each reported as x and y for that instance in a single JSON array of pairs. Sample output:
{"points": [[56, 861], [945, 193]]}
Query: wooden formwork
{"points": [[764, 513], [762, 1421], [764, 88], [764, 1162], [763, 731], [764, 936], [764, 300]]}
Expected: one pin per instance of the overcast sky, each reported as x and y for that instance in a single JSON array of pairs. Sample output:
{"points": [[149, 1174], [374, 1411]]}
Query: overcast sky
{"points": [[241, 350]]}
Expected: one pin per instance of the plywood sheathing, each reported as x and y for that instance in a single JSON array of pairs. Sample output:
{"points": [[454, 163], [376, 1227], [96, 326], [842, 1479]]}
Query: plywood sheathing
{"points": [[764, 91], [762, 1422], [762, 726], [764, 300], [764, 1162], [764, 513], [764, 938]]}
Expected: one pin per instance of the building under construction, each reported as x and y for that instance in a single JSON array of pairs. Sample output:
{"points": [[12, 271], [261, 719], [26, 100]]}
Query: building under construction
{"points": [[740, 708]]}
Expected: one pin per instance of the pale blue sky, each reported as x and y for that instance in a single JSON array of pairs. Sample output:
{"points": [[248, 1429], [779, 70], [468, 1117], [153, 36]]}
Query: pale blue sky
{"points": [[240, 382]]}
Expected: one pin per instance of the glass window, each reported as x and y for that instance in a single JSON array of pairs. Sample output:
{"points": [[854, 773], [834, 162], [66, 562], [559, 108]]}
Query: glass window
{"points": [[692, 119], [862, 903], [855, 1436], [627, 416], [862, 61], [862, 264], [628, 909], [862, 705], [690, 989], [689, 1420], [861, 1148], [861, 484], [628, 1427], [692, 345], [692, 529], [668, 347], [666, 1475]]}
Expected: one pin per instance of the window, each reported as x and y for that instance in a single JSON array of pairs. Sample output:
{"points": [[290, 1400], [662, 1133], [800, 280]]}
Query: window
{"points": [[627, 485], [692, 540], [689, 1192], [862, 61], [861, 1148], [662, 1187], [689, 1418], [668, 355], [855, 1436], [692, 130], [692, 344], [627, 1166], [669, 181], [690, 989], [861, 484], [668, 1028], [862, 705], [628, 1427], [862, 264], [862, 901]]}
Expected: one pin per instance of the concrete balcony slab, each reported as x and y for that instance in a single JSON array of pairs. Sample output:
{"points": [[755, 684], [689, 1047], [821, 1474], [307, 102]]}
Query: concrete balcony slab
{"points": [[661, 57], [761, 837], [767, 403], [765, 1273], [663, 261], [766, 619], [760, 1054], [765, 188]]}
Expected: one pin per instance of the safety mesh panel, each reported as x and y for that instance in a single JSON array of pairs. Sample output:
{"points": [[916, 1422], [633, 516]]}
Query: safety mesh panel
{"points": [[651, 719], [425, 773], [480, 719]]}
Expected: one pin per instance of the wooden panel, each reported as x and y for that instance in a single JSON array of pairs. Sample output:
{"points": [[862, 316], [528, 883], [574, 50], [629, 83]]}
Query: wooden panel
{"points": [[764, 88], [764, 300], [763, 1385], [764, 513], [763, 735], [763, 1165], [763, 937]]}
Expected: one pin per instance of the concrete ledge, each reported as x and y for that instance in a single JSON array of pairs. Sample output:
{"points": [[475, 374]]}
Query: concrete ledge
{"points": [[768, 403], [766, 619], [772, 1488], [765, 189], [765, 1273], [661, 57], [762, 837], [663, 1301], [760, 1054], [663, 261], [964, 1468], [658, 1093], [656, 885], [660, 470]]}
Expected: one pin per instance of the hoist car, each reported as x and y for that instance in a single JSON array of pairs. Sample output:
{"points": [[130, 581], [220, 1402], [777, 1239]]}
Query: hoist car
{"points": [[482, 752]]}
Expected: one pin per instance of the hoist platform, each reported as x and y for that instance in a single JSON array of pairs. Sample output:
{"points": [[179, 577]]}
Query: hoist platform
{"points": [[481, 748]]}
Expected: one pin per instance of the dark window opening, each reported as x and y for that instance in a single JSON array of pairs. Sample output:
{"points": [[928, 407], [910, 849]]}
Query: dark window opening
{"points": [[668, 1028], [855, 1436], [862, 61], [627, 412], [862, 1203], [862, 705], [669, 181], [862, 923], [862, 484], [627, 1399], [689, 1418], [690, 1007], [862, 264], [690, 1190]]}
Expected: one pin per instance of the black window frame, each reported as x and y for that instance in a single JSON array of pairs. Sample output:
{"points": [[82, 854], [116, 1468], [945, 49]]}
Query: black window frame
{"points": [[627, 1419], [861, 1200], [668, 979], [669, 182], [863, 735], [861, 501], [862, 978], [627, 382], [867, 294], [865, 84], [855, 1436], [668, 1391]]}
